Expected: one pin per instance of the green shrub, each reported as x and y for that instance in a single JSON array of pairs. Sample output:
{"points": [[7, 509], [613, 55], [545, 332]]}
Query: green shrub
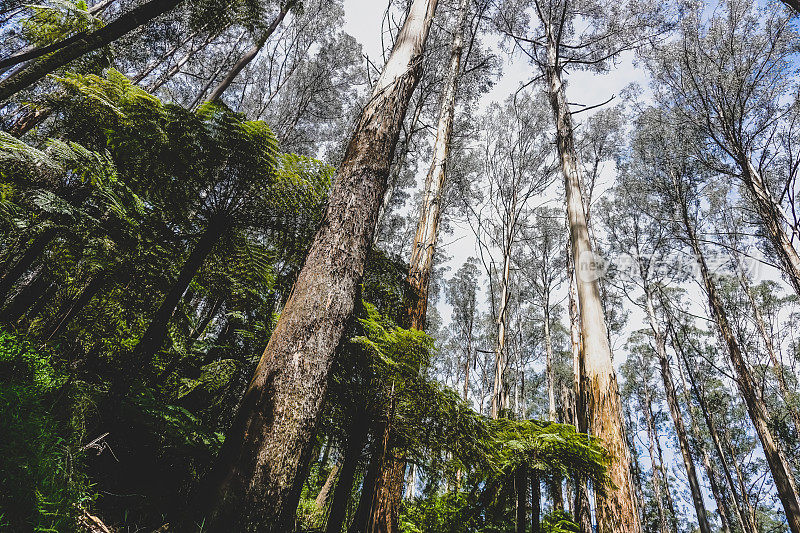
{"points": [[40, 470]]}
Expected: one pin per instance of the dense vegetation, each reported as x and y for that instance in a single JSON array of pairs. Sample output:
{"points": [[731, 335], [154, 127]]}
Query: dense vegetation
{"points": [[227, 304]]}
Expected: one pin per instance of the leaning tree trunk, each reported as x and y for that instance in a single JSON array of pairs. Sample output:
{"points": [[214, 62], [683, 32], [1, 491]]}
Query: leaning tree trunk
{"points": [[270, 439], [85, 43], [772, 219], [743, 520], [156, 332], [422, 252], [616, 509], [781, 471], [675, 411], [251, 54], [31, 254], [711, 471], [347, 471], [794, 4]]}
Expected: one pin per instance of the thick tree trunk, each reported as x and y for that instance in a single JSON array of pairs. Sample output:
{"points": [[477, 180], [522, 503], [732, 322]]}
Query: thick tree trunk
{"points": [[32, 253], [156, 332], [616, 509], [781, 471], [675, 412], [251, 54], [262, 455], [83, 44]]}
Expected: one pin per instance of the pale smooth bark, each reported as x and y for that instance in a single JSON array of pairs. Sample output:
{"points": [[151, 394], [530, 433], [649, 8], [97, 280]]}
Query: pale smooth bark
{"points": [[260, 465], [616, 509], [655, 461]]}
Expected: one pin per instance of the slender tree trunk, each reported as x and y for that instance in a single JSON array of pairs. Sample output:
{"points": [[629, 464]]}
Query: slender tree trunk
{"points": [[658, 480], [83, 44], [536, 504], [156, 332], [262, 454], [25, 298], [32, 253], [772, 219], [555, 485], [347, 472], [521, 492], [711, 471], [325, 491], [251, 54], [499, 392], [673, 516], [794, 4], [424, 246], [167, 56], [616, 509], [161, 80], [781, 471], [203, 90], [675, 411], [777, 367], [71, 310]]}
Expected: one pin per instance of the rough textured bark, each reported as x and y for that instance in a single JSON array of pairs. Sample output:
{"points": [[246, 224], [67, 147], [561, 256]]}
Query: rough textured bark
{"points": [[616, 510], [781, 471], [156, 332], [84, 44], [251, 54], [271, 435], [675, 412]]}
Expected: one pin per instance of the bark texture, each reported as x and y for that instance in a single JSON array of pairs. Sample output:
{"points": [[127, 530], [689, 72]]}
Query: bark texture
{"points": [[616, 510], [270, 439]]}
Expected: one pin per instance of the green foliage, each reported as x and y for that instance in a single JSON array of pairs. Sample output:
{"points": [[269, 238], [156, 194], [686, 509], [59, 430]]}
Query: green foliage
{"points": [[40, 452], [559, 522]]}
